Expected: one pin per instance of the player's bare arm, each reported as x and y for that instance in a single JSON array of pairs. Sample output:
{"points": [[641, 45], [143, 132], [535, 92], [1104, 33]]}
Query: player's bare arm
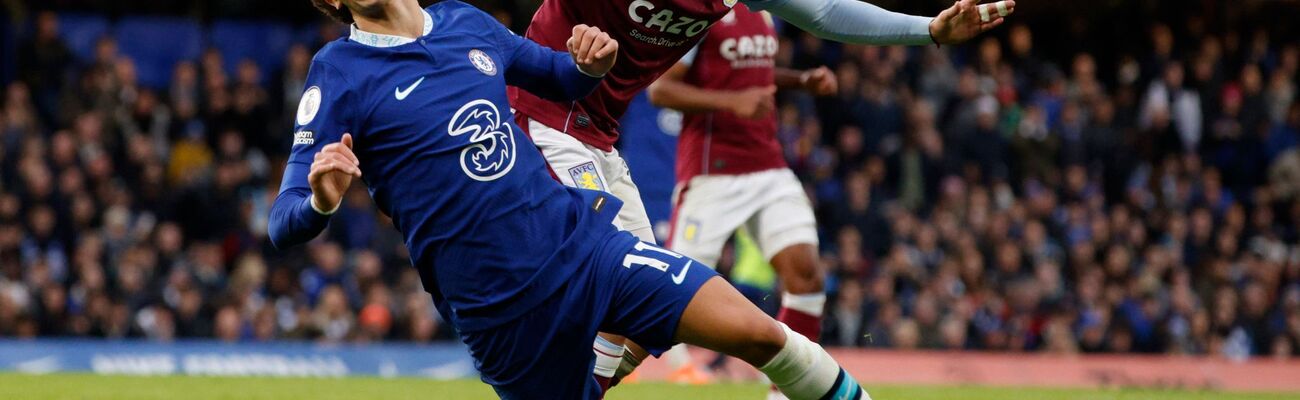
{"points": [[818, 81], [853, 21], [672, 91]]}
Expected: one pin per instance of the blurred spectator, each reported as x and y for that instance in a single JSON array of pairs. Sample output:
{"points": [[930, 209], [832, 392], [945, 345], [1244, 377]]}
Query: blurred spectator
{"points": [[43, 65]]}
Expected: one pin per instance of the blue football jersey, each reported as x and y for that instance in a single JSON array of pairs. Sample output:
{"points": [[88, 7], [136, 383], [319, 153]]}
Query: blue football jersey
{"points": [[490, 230]]}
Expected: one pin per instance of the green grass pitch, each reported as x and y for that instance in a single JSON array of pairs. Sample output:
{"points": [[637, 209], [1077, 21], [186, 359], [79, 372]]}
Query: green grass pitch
{"points": [[80, 386]]}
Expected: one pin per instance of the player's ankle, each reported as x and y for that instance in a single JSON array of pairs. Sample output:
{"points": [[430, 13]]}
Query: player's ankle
{"points": [[803, 370]]}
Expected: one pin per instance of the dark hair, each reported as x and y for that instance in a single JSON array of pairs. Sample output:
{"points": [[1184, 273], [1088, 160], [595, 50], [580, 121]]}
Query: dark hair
{"points": [[341, 14]]}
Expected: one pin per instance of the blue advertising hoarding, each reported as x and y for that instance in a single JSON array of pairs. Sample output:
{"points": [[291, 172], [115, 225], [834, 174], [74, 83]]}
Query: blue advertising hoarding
{"points": [[211, 358]]}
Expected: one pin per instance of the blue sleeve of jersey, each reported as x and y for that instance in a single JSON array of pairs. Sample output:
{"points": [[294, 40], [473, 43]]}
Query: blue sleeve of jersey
{"points": [[546, 73], [320, 120]]}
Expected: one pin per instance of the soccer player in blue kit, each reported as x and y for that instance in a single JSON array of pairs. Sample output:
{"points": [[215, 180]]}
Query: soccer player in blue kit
{"points": [[414, 103]]}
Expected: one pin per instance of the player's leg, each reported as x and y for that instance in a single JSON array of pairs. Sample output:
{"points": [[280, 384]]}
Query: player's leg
{"points": [[803, 297], [578, 165], [706, 212], [575, 165], [721, 319], [609, 350], [632, 217], [786, 231], [662, 298]]}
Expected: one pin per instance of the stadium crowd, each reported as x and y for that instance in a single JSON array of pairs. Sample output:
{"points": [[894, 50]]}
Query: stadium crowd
{"points": [[982, 197]]}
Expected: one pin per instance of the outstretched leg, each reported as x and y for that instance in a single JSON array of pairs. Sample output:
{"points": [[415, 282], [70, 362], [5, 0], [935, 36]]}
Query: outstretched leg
{"points": [[786, 231], [803, 298], [578, 165], [659, 300], [721, 319]]}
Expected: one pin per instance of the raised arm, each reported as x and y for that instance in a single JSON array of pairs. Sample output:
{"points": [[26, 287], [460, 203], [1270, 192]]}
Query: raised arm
{"points": [[853, 21], [321, 165], [673, 91], [555, 75], [818, 81]]}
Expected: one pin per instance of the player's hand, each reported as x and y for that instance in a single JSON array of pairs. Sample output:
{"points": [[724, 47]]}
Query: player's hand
{"points": [[593, 50], [820, 82], [332, 173], [754, 103], [965, 20]]}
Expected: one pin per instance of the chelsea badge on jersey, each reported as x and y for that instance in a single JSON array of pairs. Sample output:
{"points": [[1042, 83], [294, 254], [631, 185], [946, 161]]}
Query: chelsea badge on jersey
{"points": [[483, 62]]}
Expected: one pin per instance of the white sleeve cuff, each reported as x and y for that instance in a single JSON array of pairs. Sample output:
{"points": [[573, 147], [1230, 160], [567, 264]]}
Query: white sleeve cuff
{"points": [[312, 200]]}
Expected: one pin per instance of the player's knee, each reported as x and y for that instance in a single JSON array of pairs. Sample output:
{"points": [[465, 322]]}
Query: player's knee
{"points": [[800, 274], [764, 340], [805, 282]]}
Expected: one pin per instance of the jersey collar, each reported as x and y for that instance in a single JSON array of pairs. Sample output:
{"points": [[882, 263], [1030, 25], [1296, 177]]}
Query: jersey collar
{"points": [[382, 40]]}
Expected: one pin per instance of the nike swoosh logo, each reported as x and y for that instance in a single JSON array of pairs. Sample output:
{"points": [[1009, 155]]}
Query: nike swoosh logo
{"points": [[401, 94], [681, 276]]}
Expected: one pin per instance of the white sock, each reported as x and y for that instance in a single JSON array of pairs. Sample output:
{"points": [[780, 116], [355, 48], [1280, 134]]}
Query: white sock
{"points": [[804, 371], [811, 304], [608, 356], [678, 356]]}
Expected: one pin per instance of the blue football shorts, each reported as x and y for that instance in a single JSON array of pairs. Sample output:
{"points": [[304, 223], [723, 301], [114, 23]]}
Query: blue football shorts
{"points": [[626, 287]]}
